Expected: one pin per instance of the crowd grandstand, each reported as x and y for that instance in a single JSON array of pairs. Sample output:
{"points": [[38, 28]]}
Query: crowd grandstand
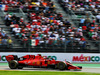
{"points": [[47, 30], [5, 40], [88, 25]]}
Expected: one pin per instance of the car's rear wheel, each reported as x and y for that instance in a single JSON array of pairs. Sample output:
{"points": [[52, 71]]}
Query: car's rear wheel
{"points": [[61, 65], [13, 64]]}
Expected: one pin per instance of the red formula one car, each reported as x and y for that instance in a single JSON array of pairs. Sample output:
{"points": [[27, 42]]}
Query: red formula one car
{"points": [[38, 61]]}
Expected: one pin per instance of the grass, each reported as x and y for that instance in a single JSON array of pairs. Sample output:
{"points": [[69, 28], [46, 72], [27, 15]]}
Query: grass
{"points": [[43, 73], [88, 65]]}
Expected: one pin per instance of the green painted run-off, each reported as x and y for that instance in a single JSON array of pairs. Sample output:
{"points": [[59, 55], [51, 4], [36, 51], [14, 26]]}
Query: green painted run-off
{"points": [[83, 65]]}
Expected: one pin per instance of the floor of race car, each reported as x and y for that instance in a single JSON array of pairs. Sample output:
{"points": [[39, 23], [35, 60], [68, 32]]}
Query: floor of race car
{"points": [[92, 70]]}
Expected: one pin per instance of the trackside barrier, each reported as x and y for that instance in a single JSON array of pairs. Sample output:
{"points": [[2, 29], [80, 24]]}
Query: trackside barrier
{"points": [[71, 57]]}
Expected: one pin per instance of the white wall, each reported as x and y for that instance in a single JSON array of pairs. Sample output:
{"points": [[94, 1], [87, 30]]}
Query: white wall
{"points": [[72, 57]]}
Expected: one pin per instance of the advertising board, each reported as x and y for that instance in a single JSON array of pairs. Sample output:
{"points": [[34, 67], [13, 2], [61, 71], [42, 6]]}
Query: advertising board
{"points": [[71, 57]]}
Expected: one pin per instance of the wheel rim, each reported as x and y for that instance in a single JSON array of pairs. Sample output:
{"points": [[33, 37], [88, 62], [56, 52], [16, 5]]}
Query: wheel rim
{"points": [[61, 65], [13, 64]]}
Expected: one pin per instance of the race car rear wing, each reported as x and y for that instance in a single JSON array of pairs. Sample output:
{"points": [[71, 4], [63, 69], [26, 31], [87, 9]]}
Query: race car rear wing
{"points": [[11, 57]]}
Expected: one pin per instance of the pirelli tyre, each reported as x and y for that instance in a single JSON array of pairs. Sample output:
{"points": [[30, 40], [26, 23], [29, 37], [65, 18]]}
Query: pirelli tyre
{"points": [[61, 65], [13, 64]]}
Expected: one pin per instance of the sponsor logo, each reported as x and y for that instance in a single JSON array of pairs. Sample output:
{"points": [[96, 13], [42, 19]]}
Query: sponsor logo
{"points": [[38, 63], [33, 62], [2, 58], [53, 57], [48, 62], [86, 58], [29, 62]]}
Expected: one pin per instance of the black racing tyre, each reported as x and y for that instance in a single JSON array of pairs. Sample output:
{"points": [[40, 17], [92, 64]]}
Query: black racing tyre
{"points": [[13, 64], [61, 65]]}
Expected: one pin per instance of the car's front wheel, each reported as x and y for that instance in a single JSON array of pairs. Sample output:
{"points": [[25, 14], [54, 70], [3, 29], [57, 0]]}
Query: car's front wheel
{"points": [[61, 65]]}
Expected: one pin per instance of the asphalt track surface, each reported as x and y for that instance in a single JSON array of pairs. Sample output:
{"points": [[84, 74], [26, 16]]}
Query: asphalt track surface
{"points": [[85, 69]]}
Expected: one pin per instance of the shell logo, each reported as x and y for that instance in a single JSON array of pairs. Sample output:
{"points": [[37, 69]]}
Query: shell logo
{"points": [[48, 62], [33, 62]]}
